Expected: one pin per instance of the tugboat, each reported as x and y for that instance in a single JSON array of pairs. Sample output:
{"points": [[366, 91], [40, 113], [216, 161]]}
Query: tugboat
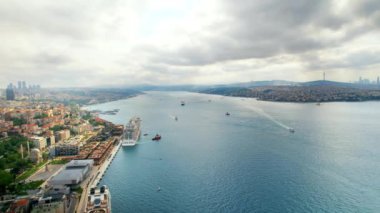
{"points": [[156, 138], [227, 114]]}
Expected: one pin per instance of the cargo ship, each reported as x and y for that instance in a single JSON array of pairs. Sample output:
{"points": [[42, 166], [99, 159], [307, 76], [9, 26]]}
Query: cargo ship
{"points": [[132, 132], [99, 200]]}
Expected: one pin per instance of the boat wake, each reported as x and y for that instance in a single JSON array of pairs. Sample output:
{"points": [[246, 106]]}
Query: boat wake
{"points": [[145, 142], [269, 117]]}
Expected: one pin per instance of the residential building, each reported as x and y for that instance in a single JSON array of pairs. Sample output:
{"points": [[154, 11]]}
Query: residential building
{"points": [[39, 142]]}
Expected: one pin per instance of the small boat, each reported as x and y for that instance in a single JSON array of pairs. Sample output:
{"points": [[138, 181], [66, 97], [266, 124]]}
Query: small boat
{"points": [[227, 114], [176, 118], [146, 134], [158, 189], [182, 103], [156, 138], [292, 130], [318, 104]]}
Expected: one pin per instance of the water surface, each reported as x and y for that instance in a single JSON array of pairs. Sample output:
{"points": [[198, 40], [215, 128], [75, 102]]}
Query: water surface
{"points": [[248, 161]]}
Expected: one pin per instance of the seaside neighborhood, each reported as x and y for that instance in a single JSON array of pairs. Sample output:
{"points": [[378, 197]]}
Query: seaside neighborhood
{"points": [[51, 153]]}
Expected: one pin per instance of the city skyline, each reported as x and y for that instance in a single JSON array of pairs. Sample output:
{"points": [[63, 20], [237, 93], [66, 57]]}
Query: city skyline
{"points": [[124, 43]]}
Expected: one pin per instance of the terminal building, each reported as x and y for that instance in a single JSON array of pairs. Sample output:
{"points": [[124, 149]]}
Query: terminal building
{"points": [[74, 173]]}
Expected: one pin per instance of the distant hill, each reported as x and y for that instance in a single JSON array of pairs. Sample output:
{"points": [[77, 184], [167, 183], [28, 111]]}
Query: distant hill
{"points": [[229, 91], [191, 88], [263, 83], [250, 84], [328, 83], [314, 91]]}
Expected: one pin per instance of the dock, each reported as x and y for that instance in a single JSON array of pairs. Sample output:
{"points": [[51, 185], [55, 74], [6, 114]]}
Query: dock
{"points": [[96, 176]]}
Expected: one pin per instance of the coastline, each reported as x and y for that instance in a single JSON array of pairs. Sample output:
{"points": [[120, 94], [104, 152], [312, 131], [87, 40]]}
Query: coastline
{"points": [[113, 100], [299, 102]]}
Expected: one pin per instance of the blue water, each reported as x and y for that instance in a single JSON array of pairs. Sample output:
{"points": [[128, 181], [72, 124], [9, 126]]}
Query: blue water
{"points": [[249, 161]]}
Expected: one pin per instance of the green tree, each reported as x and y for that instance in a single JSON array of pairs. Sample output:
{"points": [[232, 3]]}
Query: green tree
{"points": [[5, 180], [43, 115], [57, 128], [18, 121]]}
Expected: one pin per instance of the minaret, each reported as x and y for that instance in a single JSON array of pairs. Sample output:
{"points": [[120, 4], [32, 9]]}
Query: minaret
{"points": [[22, 151], [27, 144]]}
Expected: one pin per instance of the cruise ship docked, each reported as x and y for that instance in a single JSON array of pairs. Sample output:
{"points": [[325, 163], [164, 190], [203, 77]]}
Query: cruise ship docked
{"points": [[132, 132], [99, 200]]}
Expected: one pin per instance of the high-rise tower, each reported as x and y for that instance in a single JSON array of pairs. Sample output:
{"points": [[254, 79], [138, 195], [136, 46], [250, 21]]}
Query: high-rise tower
{"points": [[10, 93]]}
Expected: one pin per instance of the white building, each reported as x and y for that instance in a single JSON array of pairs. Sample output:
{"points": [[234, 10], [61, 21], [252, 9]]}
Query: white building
{"points": [[35, 156], [39, 142]]}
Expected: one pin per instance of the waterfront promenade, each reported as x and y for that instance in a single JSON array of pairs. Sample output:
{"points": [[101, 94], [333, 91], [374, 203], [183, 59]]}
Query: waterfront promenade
{"points": [[95, 177]]}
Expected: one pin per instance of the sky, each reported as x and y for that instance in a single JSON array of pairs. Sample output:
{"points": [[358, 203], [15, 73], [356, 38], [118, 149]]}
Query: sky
{"points": [[67, 43]]}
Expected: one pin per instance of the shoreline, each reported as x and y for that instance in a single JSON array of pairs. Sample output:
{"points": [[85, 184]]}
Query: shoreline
{"points": [[295, 102]]}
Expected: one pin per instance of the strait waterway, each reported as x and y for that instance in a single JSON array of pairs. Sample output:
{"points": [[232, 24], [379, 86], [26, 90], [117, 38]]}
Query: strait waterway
{"points": [[248, 161]]}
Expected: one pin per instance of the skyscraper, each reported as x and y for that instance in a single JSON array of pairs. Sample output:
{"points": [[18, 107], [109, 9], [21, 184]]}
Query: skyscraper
{"points": [[19, 85], [23, 85], [10, 93], [378, 81]]}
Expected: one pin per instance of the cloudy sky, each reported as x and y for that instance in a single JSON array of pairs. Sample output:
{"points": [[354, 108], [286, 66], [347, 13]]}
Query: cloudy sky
{"points": [[127, 42]]}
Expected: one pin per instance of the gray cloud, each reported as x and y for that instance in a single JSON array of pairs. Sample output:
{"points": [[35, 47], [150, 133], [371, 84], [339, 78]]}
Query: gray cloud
{"points": [[263, 29], [260, 29], [356, 61], [108, 40]]}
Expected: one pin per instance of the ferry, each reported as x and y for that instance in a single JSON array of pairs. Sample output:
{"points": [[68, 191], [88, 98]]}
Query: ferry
{"points": [[132, 132], [99, 200]]}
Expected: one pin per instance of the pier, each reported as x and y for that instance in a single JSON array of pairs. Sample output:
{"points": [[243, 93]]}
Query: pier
{"points": [[96, 176]]}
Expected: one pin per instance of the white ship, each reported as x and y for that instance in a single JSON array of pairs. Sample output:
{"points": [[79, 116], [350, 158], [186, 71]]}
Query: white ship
{"points": [[99, 200], [132, 132]]}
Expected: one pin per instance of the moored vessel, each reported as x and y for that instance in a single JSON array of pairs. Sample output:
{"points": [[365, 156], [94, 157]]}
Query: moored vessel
{"points": [[132, 132], [99, 200]]}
